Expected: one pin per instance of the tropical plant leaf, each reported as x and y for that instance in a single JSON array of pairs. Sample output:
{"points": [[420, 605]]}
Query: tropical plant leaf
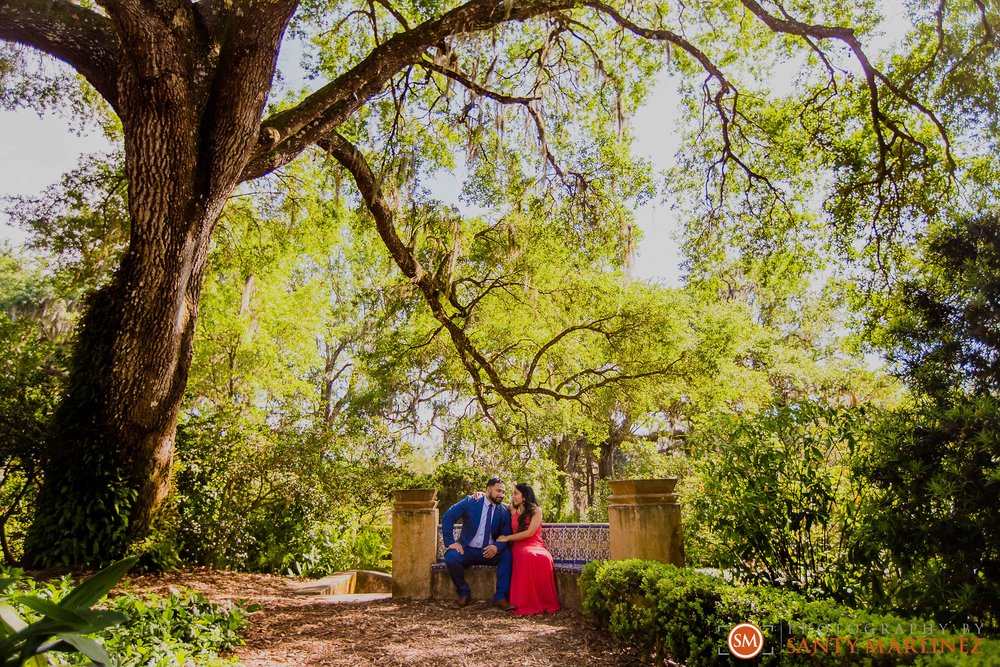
{"points": [[95, 588], [52, 610], [11, 619], [87, 647]]}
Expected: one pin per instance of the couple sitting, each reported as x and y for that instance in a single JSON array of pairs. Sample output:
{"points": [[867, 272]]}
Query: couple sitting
{"points": [[509, 538]]}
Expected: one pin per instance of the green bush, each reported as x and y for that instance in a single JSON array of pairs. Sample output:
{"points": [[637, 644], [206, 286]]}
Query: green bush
{"points": [[30, 383], [669, 612], [182, 628], [934, 468], [176, 630], [775, 498], [265, 497], [329, 548]]}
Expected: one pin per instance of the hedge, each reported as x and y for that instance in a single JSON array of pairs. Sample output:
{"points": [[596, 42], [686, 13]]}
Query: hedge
{"points": [[680, 614]]}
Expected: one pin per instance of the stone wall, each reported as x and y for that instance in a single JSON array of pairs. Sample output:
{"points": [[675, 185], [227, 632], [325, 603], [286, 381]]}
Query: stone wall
{"points": [[644, 521]]}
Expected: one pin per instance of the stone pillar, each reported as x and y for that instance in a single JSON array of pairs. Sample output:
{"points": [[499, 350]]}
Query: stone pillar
{"points": [[414, 542], [645, 521]]}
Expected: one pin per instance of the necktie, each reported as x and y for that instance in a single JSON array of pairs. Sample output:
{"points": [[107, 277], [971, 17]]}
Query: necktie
{"points": [[487, 527]]}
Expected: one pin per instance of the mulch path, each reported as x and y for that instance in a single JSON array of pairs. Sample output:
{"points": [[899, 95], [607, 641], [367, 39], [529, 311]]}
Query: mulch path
{"points": [[303, 630]]}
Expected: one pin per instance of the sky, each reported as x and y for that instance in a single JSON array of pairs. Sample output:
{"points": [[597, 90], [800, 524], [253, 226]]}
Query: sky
{"points": [[35, 152]]}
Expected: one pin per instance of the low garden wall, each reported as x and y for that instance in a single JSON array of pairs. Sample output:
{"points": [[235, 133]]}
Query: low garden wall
{"points": [[644, 521]]}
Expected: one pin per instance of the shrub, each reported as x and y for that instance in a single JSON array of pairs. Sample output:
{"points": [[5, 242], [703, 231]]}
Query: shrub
{"points": [[775, 497], [670, 612], [329, 548], [180, 629], [260, 496], [30, 383], [935, 464]]}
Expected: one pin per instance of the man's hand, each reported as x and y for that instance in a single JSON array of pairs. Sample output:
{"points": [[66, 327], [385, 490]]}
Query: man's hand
{"points": [[457, 547], [490, 551]]}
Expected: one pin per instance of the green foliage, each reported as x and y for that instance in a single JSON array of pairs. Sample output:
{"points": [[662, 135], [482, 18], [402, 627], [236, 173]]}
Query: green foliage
{"points": [[773, 497], [679, 614], [181, 628], [80, 225], [33, 625], [944, 331], [251, 496], [327, 548], [935, 475], [935, 466], [141, 630], [33, 325], [455, 480]]}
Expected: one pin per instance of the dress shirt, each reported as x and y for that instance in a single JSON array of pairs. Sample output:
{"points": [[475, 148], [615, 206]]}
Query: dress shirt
{"points": [[477, 541]]}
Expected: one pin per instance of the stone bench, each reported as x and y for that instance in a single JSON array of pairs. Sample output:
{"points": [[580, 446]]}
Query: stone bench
{"points": [[644, 522], [572, 546]]}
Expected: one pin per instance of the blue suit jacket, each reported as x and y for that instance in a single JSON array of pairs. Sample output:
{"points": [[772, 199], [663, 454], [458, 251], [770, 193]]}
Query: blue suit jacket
{"points": [[470, 511]]}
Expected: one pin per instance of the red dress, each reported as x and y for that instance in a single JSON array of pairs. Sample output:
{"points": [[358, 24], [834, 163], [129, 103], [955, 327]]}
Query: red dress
{"points": [[532, 582]]}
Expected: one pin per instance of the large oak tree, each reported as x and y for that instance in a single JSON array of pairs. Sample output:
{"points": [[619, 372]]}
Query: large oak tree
{"points": [[189, 82]]}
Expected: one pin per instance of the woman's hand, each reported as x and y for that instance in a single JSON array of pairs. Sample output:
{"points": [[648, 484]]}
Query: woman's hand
{"points": [[503, 538], [476, 495]]}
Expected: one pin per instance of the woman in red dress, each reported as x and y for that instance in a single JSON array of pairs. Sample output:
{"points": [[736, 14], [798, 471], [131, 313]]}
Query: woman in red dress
{"points": [[532, 583]]}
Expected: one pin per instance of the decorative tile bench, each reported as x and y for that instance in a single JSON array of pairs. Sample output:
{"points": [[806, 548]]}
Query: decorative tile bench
{"points": [[572, 546], [644, 522]]}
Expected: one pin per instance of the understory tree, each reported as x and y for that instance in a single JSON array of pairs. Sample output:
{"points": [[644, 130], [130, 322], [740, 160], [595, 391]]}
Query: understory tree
{"points": [[937, 462], [537, 92]]}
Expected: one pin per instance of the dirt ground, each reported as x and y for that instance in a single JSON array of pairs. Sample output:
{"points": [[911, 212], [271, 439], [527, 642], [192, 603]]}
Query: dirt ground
{"points": [[303, 630]]}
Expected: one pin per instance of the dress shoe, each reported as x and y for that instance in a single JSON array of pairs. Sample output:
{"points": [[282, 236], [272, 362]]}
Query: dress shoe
{"points": [[503, 604], [462, 601]]}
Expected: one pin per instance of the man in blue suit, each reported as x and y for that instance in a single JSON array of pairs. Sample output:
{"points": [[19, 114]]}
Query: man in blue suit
{"points": [[483, 521]]}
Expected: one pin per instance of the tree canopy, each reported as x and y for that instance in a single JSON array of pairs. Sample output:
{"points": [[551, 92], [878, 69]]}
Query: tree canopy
{"points": [[536, 94]]}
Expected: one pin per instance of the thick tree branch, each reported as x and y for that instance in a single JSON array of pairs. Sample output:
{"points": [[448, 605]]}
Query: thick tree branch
{"points": [[160, 38], [242, 83], [354, 161], [80, 37], [287, 133], [477, 365]]}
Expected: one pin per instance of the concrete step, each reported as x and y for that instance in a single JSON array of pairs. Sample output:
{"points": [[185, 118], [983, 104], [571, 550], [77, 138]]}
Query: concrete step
{"points": [[353, 598], [352, 582], [336, 584]]}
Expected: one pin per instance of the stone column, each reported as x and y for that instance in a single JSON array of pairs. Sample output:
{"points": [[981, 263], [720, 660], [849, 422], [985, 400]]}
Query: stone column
{"points": [[414, 542], [645, 521]]}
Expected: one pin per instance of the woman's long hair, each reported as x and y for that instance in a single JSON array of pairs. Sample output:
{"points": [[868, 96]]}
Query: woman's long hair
{"points": [[528, 504]]}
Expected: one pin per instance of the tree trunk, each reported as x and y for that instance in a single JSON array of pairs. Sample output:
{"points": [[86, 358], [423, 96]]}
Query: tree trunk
{"points": [[569, 454], [617, 434], [189, 83], [111, 443]]}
